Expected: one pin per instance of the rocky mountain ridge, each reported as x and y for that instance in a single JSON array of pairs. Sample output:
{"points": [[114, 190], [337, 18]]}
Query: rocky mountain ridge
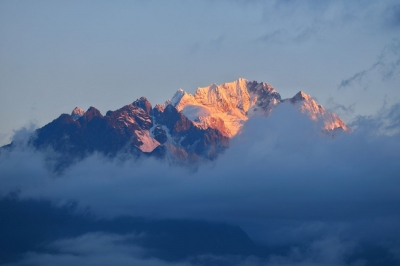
{"points": [[187, 127]]}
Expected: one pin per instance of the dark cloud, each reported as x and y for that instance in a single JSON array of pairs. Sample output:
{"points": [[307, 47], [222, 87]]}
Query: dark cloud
{"points": [[272, 36], [393, 16], [387, 67], [356, 77], [323, 21], [282, 180], [387, 122], [105, 249], [302, 21], [92, 249], [306, 34], [340, 108]]}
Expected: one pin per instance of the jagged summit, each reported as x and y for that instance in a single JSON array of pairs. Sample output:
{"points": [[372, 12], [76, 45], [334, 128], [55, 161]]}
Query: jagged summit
{"points": [[300, 96], [144, 104], [307, 105], [77, 112], [177, 97], [222, 107], [263, 98]]}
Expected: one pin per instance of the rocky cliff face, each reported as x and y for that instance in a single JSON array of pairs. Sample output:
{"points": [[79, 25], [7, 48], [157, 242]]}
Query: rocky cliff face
{"points": [[137, 129], [188, 127]]}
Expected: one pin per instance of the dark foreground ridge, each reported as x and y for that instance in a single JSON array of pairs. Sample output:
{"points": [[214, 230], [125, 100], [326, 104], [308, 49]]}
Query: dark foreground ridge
{"points": [[166, 239]]}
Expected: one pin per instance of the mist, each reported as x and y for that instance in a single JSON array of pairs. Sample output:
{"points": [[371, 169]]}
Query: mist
{"points": [[283, 181]]}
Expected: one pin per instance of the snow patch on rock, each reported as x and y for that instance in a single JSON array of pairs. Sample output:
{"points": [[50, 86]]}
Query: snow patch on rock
{"points": [[77, 112], [148, 143]]}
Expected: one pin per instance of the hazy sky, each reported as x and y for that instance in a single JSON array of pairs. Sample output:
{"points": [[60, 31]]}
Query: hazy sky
{"points": [[55, 55]]}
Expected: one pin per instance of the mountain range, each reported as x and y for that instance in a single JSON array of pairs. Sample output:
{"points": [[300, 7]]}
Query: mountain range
{"points": [[189, 127]]}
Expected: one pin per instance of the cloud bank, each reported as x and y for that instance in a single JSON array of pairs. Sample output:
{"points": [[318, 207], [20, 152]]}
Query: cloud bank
{"points": [[282, 181]]}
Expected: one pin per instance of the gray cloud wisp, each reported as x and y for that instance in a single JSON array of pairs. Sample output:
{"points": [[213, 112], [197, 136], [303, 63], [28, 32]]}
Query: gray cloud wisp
{"points": [[387, 66]]}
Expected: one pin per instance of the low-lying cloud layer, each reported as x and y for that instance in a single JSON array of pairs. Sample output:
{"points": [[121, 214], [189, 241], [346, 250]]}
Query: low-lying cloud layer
{"points": [[282, 181], [107, 249]]}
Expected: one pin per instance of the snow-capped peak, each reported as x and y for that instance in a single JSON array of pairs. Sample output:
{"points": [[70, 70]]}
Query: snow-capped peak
{"points": [[77, 112], [177, 97], [300, 96], [221, 107], [306, 104], [225, 97], [227, 106], [182, 99]]}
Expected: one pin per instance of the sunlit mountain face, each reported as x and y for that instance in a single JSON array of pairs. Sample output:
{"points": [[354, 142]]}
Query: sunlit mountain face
{"points": [[233, 174]]}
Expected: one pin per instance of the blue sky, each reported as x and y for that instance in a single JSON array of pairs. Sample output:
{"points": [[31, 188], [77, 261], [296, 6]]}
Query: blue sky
{"points": [[55, 55]]}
